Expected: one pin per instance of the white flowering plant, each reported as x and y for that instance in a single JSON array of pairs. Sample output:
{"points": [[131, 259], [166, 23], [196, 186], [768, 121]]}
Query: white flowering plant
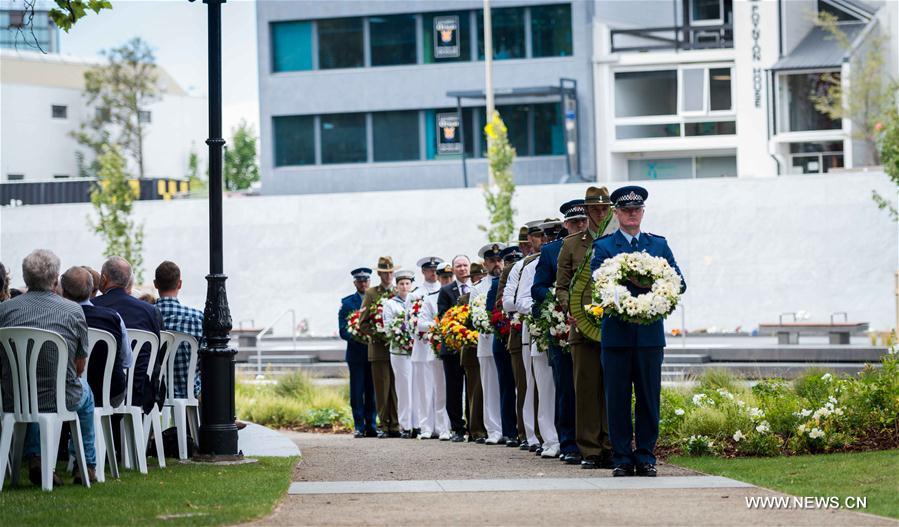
{"points": [[615, 277], [480, 316], [553, 323], [399, 336]]}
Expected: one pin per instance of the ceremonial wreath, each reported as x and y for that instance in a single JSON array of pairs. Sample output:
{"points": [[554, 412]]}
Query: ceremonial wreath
{"points": [[651, 274], [454, 328]]}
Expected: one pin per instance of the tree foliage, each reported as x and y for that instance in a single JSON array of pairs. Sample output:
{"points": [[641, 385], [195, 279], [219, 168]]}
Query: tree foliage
{"points": [[871, 92], [64, 16], [241, 169], [498, 197], [118, 92], [888, 141], [113, 199]]}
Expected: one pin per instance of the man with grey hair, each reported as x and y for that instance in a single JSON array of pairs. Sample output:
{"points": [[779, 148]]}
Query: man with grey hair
{"points": [[77, 286], [41, 308], [115, 278]]}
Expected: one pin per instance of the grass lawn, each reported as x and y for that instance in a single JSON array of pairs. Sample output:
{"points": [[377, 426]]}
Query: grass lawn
{"points": [[180, 494], [871, 474]]}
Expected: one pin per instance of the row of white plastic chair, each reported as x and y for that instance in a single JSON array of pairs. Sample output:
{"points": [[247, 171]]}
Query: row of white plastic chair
{"points": [[136, 425]]}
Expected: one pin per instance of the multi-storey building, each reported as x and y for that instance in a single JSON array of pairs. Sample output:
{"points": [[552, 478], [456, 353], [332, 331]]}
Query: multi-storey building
{"points": [[27, 26]]}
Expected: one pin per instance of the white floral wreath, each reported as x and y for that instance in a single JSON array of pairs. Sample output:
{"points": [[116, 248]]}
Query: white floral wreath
{"points": [[610, 290]]}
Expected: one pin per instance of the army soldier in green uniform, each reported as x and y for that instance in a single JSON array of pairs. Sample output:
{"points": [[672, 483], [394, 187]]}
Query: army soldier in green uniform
{"points": [[378, 354], [591, 425], [468, 357]]}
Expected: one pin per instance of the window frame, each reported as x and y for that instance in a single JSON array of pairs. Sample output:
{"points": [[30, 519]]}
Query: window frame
{"points": [[782, 102], [65, 112], [707, 21]]}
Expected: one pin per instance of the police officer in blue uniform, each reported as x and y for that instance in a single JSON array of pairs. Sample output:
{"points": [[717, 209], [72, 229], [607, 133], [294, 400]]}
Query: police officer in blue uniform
{"points": [[362, 390], [560, 360], [632, 353]]}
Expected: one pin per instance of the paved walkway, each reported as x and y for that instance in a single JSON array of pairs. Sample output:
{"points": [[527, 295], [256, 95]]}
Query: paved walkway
{"points": [[256, 440], [346, 481]]}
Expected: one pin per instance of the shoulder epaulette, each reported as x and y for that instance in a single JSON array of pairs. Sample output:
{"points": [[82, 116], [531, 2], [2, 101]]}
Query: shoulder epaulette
{"points": [[655, 235], [344, 299], [573, 235], [604, 236]]}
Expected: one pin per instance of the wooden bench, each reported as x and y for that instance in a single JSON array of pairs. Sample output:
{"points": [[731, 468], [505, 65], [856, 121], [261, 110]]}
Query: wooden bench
{"points": [[788, 333]]}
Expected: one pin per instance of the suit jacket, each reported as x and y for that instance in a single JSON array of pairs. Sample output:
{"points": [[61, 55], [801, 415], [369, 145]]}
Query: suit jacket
{"points": [[617, 333], [447, 298], [377, 348], [138, 314], [107, 320], [355, 351], [545, 275]]}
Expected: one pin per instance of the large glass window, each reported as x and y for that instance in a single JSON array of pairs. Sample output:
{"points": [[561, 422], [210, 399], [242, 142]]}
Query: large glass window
{"points": [[551, 30], [682, 167], [392, 40], [427, 41], [693, 90], [549, 134], [343, 138], [515, 117], [294, 140], [797, 96], [291, 46], [815, 158], [719, 166], [706, 11], [395, 135], [508, 33], [340, 43], [641, 93], [719, 89]]}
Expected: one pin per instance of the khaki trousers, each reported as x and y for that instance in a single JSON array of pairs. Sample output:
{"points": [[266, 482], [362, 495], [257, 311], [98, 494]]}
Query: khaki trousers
{"points": [[591, 421], [385, 395]]}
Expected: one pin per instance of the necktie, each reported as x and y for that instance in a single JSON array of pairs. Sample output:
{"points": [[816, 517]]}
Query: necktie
{"points": [[634, 242], [464, 289]]}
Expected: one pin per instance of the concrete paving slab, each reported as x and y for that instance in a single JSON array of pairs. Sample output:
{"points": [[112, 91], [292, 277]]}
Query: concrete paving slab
{"points": [[257, 440], [364, 487]]}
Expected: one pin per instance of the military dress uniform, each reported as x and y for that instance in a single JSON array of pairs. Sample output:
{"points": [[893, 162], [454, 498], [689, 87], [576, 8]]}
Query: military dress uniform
{"points": [[519, 352], [468, 358], [487, 364], [379, 358], [591, 424], [362, 391], [401, 360], [424, 363], [501, 357], [632, 353], [505, 300], [452, 367]]}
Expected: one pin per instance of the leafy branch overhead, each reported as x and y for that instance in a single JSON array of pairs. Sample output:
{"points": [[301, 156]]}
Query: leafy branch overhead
{"points": [[498, 197], [68, 12]]}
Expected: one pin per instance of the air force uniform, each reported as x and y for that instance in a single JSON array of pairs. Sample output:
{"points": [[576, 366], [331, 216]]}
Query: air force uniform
{"points": [[362, 391]]}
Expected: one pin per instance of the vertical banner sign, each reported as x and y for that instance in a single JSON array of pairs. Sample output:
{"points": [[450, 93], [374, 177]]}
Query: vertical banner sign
{"points": [[446, 37], [448, 133], [569, 109], [756, 55]]}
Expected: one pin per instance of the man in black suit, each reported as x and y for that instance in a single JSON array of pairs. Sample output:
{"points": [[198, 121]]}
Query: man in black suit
{"points": [[115, 277], [452, 368]]}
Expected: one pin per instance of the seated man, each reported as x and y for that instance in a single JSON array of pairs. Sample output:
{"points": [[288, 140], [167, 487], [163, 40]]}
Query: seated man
{"points": [[77, 284], [115, 278], [41, 308], [178, 317]]}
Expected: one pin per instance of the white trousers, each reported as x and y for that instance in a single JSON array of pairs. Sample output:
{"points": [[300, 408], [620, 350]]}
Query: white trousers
{"points": [[402, 372], [528, 408], [490, 386], [429, 392], [546, 400]]}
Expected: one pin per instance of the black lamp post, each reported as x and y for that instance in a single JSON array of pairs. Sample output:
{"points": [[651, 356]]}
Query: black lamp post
{"points": [[218, 434]]}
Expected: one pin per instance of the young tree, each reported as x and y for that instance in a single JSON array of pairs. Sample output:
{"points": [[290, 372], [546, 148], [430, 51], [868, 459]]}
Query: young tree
{"points": [[240, 169], [500, 155], [119, 92], [871, 92], [888, 141], [113, 199], [194, 175]]}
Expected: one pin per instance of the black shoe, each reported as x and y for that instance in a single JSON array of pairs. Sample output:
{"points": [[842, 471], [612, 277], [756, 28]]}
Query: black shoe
{"points": [[533, 448], [573, 458], [623, 471], [524, 446], [512, 443], [538, 451], [503, 440], [646, 470], [394, 434], [371, 433], [480, 440], [457, 438], [405, 434], [603, 460], [358, 434], [416, 432], [382, 434]]}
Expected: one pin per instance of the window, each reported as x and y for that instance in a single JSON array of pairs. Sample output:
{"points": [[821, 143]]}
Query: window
{"points": [[641, 93], [344, 138], [720, 90], [551, 30], [15, 177], [710, 128], [103, 115], [549, 134], [144, 116], [59, 111], [395, 136], [427, 41], [682, 167], [16, 19], [508, 33], [693, 90], [340, 43], [515, 117], [392, 40], [815, 158], [797, 94], [291, 46], [639, 131], [704, 12], [294, 140]]}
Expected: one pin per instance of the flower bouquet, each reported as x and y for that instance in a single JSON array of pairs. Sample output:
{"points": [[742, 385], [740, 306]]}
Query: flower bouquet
{"points": [[500, 322], [435, 337], [354, 328], [552, 323], [480, 318], [399, 336], [454, 328], [652, 273]]}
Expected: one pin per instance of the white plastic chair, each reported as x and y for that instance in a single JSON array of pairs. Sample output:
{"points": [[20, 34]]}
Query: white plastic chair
{"points": [[185, 410], [103, 414], [153, 420], [16, 343], [134, 448]]}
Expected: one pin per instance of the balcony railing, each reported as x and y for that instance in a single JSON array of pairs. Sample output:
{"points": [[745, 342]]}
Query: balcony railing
{"points": [[672, 37]]}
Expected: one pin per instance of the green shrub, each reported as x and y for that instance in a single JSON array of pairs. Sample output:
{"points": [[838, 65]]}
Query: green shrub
{"points": [[698, 445], [718, 378], [814, 385], [295, 401]]}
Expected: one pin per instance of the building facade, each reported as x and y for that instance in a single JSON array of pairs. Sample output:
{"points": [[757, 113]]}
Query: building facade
{"points": [[717, 88], [27, 29], [43, 104], [351, 92]]}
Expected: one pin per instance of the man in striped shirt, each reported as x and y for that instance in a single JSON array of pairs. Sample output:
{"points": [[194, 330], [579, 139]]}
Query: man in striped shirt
{"points": [[42, 308], [178, 317]]}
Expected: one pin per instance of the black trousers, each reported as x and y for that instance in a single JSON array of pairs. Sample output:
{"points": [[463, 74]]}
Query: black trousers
{"points": [[362, 397], [455, 391], [506, 388]]}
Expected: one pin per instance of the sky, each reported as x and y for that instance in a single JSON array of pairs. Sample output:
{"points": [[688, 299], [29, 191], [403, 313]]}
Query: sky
{"points": [[176, 31]]}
